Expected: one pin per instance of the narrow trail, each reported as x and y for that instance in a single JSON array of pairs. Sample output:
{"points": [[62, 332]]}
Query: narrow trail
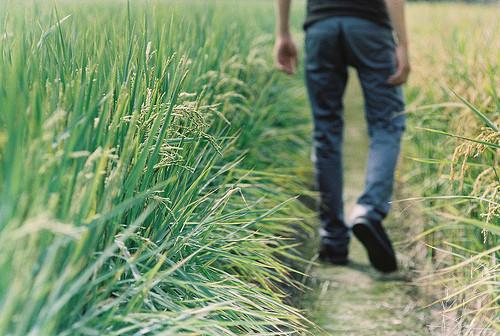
{"points": [[355, 299]]}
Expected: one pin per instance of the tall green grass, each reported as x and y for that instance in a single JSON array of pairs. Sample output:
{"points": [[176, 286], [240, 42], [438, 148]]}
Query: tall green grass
{"points": [[137, 192], [453, 143]]}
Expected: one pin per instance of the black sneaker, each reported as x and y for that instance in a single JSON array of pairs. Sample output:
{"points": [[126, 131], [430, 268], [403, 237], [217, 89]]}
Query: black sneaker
{"points": [[378, 245], [331, 254]]}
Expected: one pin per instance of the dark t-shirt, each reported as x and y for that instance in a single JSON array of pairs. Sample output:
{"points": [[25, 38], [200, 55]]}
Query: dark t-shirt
{"points": [[374, 10]]}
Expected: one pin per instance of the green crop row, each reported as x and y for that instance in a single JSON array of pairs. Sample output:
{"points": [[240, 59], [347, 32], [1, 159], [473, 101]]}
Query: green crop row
{"points": [[138, 192], [451, 168]]}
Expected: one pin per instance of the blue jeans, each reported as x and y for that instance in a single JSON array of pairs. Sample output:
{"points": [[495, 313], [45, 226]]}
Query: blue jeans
{"points": [[332, 45]]}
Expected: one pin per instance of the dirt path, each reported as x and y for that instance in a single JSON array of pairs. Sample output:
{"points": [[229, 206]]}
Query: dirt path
{"points": [[356, 300]]}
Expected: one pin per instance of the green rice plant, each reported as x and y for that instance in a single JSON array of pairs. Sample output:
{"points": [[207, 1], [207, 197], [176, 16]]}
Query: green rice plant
{"points": [[454, 143], [135, 197]]}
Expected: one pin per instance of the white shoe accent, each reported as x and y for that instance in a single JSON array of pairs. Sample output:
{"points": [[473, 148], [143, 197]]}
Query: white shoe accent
{"points": [[357, 211]]}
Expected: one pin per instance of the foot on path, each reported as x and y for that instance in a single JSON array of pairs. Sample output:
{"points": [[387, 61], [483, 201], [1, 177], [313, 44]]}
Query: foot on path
{"points": [[356, 299]]}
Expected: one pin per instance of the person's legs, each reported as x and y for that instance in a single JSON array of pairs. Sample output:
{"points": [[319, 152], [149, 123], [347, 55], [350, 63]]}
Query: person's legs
{"points": [[326, 78], [371, 51]]}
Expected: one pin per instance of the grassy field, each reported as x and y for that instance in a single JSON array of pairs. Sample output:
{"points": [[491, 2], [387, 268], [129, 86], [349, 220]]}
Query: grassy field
{"points": [[139, 192], [452, 159], [150, 157]]}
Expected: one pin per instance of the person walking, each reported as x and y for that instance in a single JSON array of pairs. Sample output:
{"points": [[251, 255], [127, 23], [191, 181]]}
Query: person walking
{"points": [[370, 36]]}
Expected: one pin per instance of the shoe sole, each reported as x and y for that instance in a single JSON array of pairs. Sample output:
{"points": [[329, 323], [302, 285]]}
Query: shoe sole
{"points": [[380, 256]]}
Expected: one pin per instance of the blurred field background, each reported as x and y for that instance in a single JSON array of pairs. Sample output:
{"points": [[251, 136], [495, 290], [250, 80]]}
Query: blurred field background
{"points": [[150, 159], [451, 160]]}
